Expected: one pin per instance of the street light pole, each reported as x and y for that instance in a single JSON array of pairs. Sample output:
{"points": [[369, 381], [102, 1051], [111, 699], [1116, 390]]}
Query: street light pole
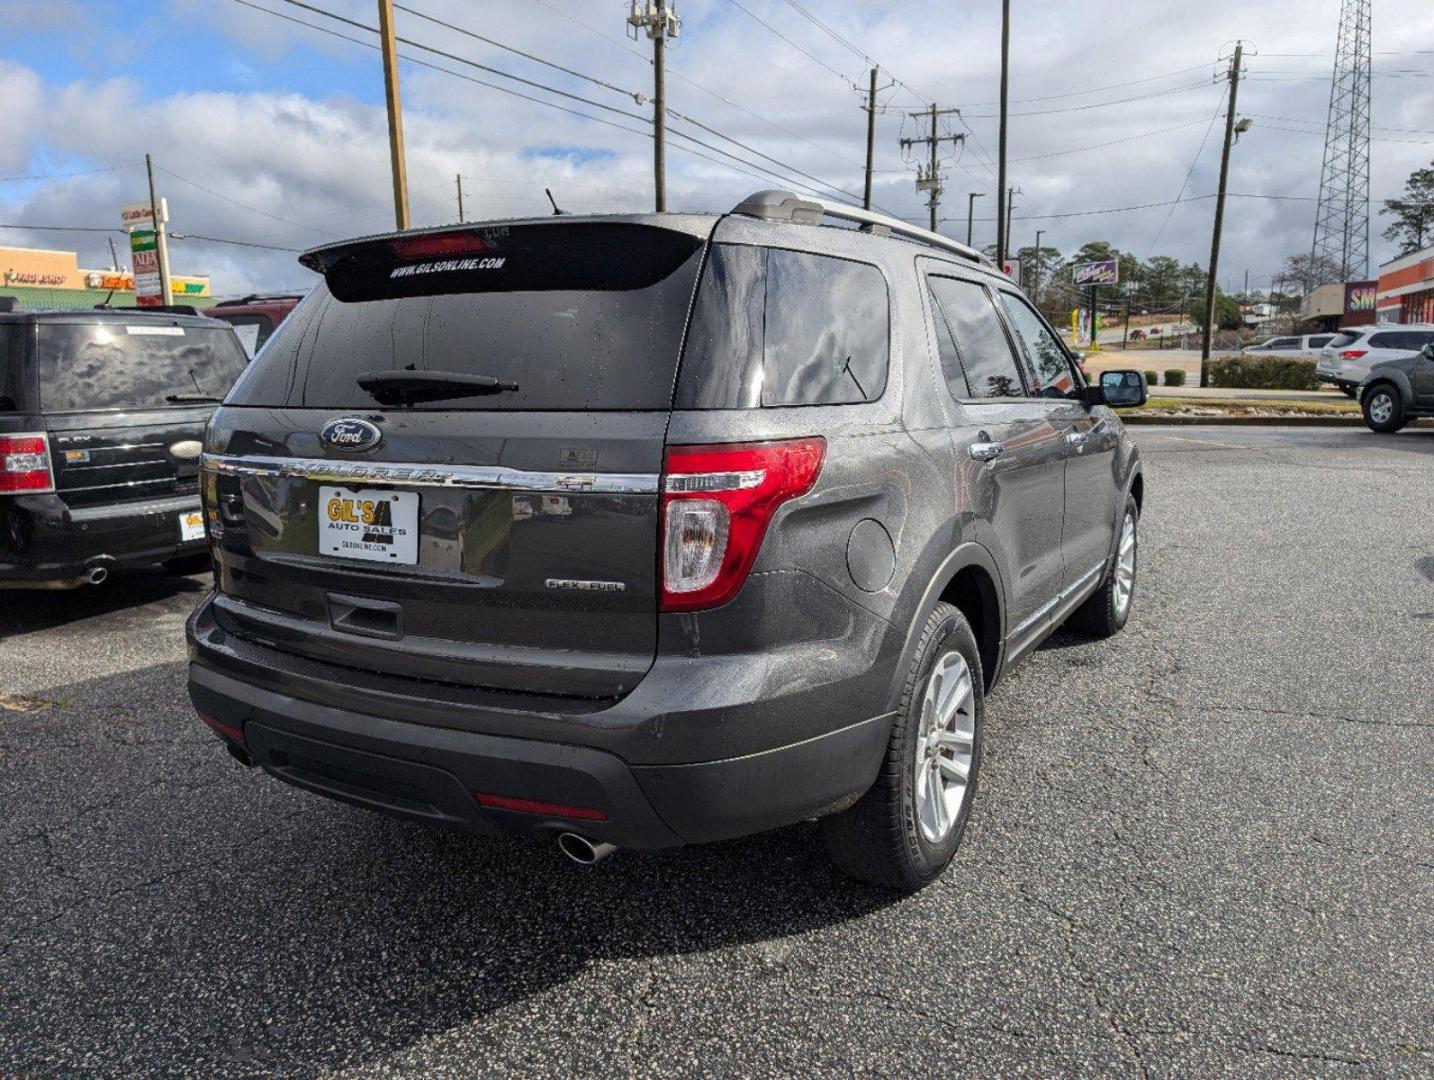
{"points": [[1001, 236], [1036, 291], [970, 211]]}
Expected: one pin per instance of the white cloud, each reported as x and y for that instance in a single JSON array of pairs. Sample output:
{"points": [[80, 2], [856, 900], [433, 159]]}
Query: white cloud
{"points": [[321, 159]]}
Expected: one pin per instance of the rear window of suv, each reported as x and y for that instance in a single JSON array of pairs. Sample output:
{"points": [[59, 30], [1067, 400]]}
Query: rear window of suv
{"points": [[772, 327], [581, 315], [132, 364]]}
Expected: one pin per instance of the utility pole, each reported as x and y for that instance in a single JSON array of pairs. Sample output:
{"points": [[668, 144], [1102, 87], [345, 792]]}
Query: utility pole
{"points": [[1036, 291], [870, 139], [459, 178], [970, 212], [1010, 204], [1209, 326], [930, 179], [661, 21], [161, 245], [1001, 236], [389, 46], [114, 255]]}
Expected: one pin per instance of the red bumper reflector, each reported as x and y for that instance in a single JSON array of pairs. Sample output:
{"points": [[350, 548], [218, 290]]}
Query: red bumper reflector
{"points": [[233, 734], [546, 809]]}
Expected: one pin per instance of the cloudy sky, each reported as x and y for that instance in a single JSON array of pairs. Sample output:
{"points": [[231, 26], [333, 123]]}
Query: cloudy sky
{"points": [[271, 133]]}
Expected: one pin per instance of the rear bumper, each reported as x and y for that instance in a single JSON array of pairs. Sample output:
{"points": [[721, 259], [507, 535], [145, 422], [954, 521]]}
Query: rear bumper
{"points": [[705, 748], [435, 775], [44, 540]]}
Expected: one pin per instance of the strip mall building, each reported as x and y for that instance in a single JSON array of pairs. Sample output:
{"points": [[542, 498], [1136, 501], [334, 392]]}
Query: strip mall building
{"points": [[51, 280], [1406, 289]]}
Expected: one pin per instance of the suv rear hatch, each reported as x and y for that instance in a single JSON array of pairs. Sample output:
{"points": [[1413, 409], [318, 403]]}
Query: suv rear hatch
{"points": [[445, 463], [125, 400]]}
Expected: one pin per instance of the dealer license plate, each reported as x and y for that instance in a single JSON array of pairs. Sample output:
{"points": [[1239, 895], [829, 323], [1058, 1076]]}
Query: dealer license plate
{"points": [[378, 526], [191, 525]]}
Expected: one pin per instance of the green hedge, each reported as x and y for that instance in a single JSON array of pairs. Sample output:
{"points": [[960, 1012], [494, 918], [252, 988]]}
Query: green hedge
{"points": [[1175, 376], [1262, 373], [1151, 378]]}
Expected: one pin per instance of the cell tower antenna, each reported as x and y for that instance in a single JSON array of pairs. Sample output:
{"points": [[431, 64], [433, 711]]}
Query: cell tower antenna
{"points": [[1341, 232]]}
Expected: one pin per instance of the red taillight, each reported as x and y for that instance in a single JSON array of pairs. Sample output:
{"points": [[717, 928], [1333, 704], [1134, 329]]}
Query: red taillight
{"points": [[546, 809], [229, 731], [25, 464], [1353, 354], [436, 245], [716, 504]]}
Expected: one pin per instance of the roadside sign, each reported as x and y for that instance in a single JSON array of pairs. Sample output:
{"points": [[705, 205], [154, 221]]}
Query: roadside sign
{"points": [[1104, 272], [139, 214], [1012, 269], [144, 254]]}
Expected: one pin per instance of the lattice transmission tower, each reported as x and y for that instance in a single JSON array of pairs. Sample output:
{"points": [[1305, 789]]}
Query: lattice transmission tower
{"points": [[1341, 232]]}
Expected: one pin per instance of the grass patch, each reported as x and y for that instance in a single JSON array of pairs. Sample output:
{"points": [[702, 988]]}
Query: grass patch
{"points": [[1183, 406]]}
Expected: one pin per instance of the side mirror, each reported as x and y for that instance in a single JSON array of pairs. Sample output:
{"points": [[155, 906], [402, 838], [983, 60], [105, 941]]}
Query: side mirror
{"points": [[1429, 351], [1119, 390]]}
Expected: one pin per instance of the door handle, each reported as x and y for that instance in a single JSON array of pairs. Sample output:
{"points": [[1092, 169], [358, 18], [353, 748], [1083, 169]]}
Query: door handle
{"points": [[985, 451]]}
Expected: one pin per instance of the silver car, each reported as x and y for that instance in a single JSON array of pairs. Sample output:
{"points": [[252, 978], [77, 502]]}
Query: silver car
{"points": [[1347, 359], [1289, 345]]}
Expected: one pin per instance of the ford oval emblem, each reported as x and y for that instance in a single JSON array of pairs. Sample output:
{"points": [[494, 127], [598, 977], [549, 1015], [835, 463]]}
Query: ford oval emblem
{"points": [[351, 434]]}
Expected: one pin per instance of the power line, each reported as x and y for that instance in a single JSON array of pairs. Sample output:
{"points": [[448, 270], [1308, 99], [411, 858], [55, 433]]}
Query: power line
{"points": [[236, 202], [63, 175], [173, 236], [809, 55], [1188, 174], [1112, 142], [1141, 206], [1095, 89], [633, 116], [1097, 104]]}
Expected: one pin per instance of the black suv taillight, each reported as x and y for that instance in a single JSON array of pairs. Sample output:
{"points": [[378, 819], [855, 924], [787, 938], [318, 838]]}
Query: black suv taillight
{"points": [[25, 464]]}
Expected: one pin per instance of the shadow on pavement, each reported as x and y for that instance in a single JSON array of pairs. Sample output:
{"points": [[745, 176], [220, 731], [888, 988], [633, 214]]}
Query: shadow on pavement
{"points": [[23, 611], [231, 925]]}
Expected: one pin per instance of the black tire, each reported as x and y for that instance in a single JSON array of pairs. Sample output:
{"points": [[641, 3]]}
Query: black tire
{"points": [[1348, 391], [1373, 407], [1103, 615], [879, 838]]}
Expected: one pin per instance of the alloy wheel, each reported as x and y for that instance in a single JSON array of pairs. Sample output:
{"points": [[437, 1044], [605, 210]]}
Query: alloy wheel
{"points": [[946, 741], [1381, 408], [1125, 566]]}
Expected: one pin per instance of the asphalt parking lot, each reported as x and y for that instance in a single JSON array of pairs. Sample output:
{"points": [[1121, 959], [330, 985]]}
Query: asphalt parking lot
{"points": [[1204, 849]]}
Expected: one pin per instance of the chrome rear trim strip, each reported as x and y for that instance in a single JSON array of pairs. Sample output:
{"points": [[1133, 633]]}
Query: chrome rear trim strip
{"points": [[450, 476]]}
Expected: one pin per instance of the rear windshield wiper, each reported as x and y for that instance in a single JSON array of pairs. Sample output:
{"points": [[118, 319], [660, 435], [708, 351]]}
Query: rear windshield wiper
{"points": [[192, 399], [408, 387]]}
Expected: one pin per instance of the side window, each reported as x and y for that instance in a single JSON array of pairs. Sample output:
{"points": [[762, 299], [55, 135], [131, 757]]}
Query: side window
{"points": [[777, 328], [1048, 359], [975, 352], [1285, 343], [1385, 341], [1319, 342]]}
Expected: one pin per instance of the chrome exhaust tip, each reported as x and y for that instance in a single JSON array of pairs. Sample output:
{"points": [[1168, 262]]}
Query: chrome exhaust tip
{"points": [[584, 851], [97, 575]]}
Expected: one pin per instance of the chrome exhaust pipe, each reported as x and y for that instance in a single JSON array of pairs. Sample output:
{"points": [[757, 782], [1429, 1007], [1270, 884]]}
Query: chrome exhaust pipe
{"points": [[584, 851], [97, 575]]}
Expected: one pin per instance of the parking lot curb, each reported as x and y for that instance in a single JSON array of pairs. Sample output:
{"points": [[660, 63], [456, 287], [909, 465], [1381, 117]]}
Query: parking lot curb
{"points": [[1250, 421]]}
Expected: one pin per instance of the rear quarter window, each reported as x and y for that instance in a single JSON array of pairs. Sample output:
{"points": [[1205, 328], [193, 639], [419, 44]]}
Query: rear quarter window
{"points": [[774, 328], [15, 392]]}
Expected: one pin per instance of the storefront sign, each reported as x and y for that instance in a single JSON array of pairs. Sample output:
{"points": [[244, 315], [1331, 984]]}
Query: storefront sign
{"points": [[139, 213], [1104, 272], [1359, 297]]}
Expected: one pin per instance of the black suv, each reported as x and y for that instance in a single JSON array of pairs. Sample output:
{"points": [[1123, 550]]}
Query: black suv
{"points": [[1397, 391], [656, 529], [102, 414]]}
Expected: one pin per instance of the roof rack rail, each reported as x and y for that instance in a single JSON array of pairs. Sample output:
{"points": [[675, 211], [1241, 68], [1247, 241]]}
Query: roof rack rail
{"points": [[774, 205]]}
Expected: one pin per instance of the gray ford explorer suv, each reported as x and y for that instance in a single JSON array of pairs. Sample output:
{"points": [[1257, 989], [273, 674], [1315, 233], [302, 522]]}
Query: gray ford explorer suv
{"points": [[648, 530]]}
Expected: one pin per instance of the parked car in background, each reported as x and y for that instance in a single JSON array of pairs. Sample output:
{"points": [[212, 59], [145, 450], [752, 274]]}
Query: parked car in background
{"points": [[1290, 345], [255, 317], [102, 414], [1353, 353], [1396, 391], [683, 592]]}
